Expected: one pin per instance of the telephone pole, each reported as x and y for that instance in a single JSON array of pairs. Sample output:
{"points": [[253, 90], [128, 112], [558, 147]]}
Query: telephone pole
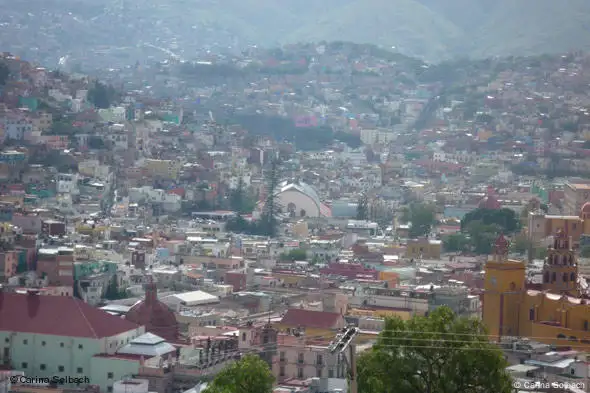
{"points": [[344, 342]]}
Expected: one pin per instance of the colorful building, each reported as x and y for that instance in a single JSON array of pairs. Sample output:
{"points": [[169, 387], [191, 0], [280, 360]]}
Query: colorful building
{"points": [[540, 225], [554, 314]]}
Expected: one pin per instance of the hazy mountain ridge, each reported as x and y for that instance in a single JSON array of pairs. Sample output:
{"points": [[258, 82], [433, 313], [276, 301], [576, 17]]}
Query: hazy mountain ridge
{"points": [[430, 29]]}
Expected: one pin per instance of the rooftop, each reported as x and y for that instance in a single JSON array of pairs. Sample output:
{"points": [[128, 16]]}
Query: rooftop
{"points": [[32, 313]]}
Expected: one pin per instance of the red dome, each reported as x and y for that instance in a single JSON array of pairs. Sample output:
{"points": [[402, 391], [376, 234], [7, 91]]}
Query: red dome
{"points": [[490, 201], [585, 209], [154, 315]]}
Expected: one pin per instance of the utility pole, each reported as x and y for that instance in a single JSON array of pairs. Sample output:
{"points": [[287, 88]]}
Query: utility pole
{"points": [[343, 342]]}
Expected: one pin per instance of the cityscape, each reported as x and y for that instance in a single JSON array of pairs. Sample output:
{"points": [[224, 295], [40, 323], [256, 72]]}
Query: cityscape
{"points": [[316, 217]]}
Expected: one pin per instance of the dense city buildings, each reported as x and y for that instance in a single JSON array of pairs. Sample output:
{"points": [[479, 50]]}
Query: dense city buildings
{"points": [[169, 220]]}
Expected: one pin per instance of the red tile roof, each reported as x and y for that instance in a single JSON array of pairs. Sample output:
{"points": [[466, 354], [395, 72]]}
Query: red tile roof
{"points": [[58, 316], [311, 319]]}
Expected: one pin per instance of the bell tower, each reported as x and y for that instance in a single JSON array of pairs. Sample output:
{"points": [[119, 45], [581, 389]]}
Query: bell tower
{"points": [[504, 286], [560, 270]]}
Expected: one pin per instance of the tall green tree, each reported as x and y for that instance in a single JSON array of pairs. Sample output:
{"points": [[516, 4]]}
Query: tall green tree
{"points": [[101, 95], [483, 236], [440, 353], [248, 375], [421, 216], [455, 242], [506, 219], [268, 220], [240, 200], [362, 208], [4, 73]]}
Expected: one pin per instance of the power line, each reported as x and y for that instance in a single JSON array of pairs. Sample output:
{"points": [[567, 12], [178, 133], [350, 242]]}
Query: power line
{"points": [[385, 344]]}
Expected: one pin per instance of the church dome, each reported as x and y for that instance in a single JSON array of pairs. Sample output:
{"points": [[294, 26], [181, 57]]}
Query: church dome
{"points": [[157, 317]]}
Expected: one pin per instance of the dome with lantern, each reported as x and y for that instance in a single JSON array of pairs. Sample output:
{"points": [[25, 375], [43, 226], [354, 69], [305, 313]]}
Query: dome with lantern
{"points": [[157, 317]]}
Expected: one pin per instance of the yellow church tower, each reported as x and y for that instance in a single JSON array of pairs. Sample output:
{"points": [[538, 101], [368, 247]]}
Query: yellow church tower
{"points": [[560, 270], [504, 289]]}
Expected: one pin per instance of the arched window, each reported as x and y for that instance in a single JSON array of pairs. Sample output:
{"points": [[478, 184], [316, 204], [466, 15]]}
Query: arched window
{"points": [[291, 209], [553, 277], [302, 213]]}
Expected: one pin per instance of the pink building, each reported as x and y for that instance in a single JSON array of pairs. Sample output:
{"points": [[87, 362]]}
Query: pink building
{"points": [[303, 358], [8, 264]]}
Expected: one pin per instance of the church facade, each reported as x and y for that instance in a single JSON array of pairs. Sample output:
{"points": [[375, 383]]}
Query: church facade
{"points": [[555, 313]]}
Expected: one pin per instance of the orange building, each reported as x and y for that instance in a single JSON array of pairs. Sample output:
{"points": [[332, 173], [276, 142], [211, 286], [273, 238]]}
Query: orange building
{"points": [[540, 226], [555, 315]]}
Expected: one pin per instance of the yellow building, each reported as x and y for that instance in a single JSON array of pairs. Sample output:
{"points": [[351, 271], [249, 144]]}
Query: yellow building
{"points": [[404, 315], [554, 314], [167, 169], [424, 248], [541, 226]]}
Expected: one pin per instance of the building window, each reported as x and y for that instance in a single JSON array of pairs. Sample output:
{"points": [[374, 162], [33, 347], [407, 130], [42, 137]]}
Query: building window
{"points": [[299, 372], [6, 340], [320, 360], [79, 370], [546, 277], [61, 369], [80, 346], [330, 373], [42, 367], [564, 277], [25, 342], [532, 314], [553, 277], [24, 364], [61, 345], [243, 336], [586, 325], [319, 373], [282, 356], [573, 277], [109, 389], [282, 371], [43, 343], [110, 375], [300, 358]]}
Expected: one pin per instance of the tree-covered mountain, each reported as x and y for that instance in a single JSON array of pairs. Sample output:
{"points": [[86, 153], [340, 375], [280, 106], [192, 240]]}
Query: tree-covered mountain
{"points": [[430, 29]]}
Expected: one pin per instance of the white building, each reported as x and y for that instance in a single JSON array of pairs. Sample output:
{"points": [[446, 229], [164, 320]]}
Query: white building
{"points": [[299, 199]]}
